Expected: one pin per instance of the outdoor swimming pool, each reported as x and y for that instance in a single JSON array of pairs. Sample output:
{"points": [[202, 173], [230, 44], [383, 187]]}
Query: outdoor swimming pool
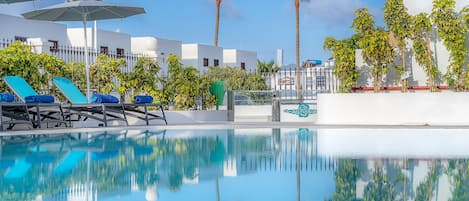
{"points": [[237, 164]]}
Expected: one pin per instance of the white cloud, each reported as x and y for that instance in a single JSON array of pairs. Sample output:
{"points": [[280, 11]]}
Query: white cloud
{"points": [[332, 11], [425, 6]]}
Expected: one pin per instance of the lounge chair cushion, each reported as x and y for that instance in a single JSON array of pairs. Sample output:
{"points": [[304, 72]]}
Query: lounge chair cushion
{"points": [[39, 99], [143, 99], [103, 98], [7, 97]]}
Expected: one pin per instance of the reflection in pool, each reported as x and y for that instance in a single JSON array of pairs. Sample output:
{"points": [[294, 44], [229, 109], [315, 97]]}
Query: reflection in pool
{"points": [[241, 164]]}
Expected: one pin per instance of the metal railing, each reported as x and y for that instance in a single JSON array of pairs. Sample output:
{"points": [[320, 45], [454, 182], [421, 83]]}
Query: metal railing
{"points": [[77, 54], [313, 81]]}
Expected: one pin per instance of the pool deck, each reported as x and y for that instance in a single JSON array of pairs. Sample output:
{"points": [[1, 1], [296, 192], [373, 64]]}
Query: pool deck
{"points": [[224, 125]]}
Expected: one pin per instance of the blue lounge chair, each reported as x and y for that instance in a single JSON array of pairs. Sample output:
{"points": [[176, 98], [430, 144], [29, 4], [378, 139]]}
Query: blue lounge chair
{"points": [[138, 110], [69, 162], [42, 107], [79, 104], [12, 113], [18, 170]]}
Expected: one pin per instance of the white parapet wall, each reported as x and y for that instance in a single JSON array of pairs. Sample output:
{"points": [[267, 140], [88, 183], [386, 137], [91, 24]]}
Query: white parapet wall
{"points": [[394, 109], [253, 113]]}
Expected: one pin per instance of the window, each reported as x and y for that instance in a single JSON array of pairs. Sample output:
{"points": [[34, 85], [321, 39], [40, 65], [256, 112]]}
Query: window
{"points": [[216, 62], [205, 62], [21, 38], [104, 50], [309, 82], [321, 82], [53, 45], [120, 52], [243, 66]]}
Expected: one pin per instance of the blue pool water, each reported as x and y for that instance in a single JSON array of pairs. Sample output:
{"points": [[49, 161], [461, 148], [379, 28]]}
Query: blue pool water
{"points": [[242, 164]]}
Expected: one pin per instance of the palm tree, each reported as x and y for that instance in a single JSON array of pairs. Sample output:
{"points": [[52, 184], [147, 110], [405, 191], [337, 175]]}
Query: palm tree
{"points": [[217, 23], [298, 71]]}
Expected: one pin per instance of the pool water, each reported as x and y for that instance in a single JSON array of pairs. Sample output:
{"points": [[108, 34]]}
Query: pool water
{"points": [[237, 164]]}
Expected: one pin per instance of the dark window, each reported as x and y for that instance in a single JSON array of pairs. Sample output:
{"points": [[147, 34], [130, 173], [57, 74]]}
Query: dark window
{"points": [[120, 52], [53, 45], [205, 62], [104, 50], [21, 38], [321, 82], [243, 66], [216, 62]]}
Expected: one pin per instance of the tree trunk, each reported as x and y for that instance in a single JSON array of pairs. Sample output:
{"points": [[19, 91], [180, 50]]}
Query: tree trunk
{"points": [[377, 79], [217, 23], [404, 82], [298, 71], [431, 76]]}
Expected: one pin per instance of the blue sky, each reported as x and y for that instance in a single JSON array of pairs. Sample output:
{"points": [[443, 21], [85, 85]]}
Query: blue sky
{"points": [[257, 25]]}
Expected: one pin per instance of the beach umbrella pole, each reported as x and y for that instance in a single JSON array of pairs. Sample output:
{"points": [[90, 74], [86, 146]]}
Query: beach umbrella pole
{"points": [[87, 67]]}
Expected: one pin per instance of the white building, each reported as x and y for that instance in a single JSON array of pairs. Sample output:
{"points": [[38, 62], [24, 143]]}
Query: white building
{"points": [[246, 60], [106, 41], [18, 28], [201, 56], [157, 48], [57, 39]]}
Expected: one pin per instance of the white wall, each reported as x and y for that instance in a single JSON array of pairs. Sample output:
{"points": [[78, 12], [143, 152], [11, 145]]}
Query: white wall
{"points": [[112, 40], [194, 54], [244, 113], [392, 143], [418, 76], [229, 57], [16, 26], [394, 109], [418, 6], [234, 58], [158, 48]]}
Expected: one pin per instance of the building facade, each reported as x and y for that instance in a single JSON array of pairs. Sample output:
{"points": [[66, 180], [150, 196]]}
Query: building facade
{"points": [[246, 60], [201, 56], [157, 48], [57, 39]]}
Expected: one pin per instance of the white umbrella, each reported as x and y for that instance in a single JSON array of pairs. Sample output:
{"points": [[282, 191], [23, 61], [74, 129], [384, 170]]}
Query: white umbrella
{"points": [[12, 1], [84, 10]]}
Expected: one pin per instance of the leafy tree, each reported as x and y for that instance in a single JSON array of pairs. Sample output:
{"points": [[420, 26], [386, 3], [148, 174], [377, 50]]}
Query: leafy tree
{"points": [[343, 52], [377, 52], [267, 67], [208, 100], [398, 21], [181, 86], [142, 80], [421, 45], [18, 60], [346, 181], [457, 172], [237, 79], [187, 89], [103, 72], [76, 73], [452, 30], [425, 189], [53, 67], [379, 188]]}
